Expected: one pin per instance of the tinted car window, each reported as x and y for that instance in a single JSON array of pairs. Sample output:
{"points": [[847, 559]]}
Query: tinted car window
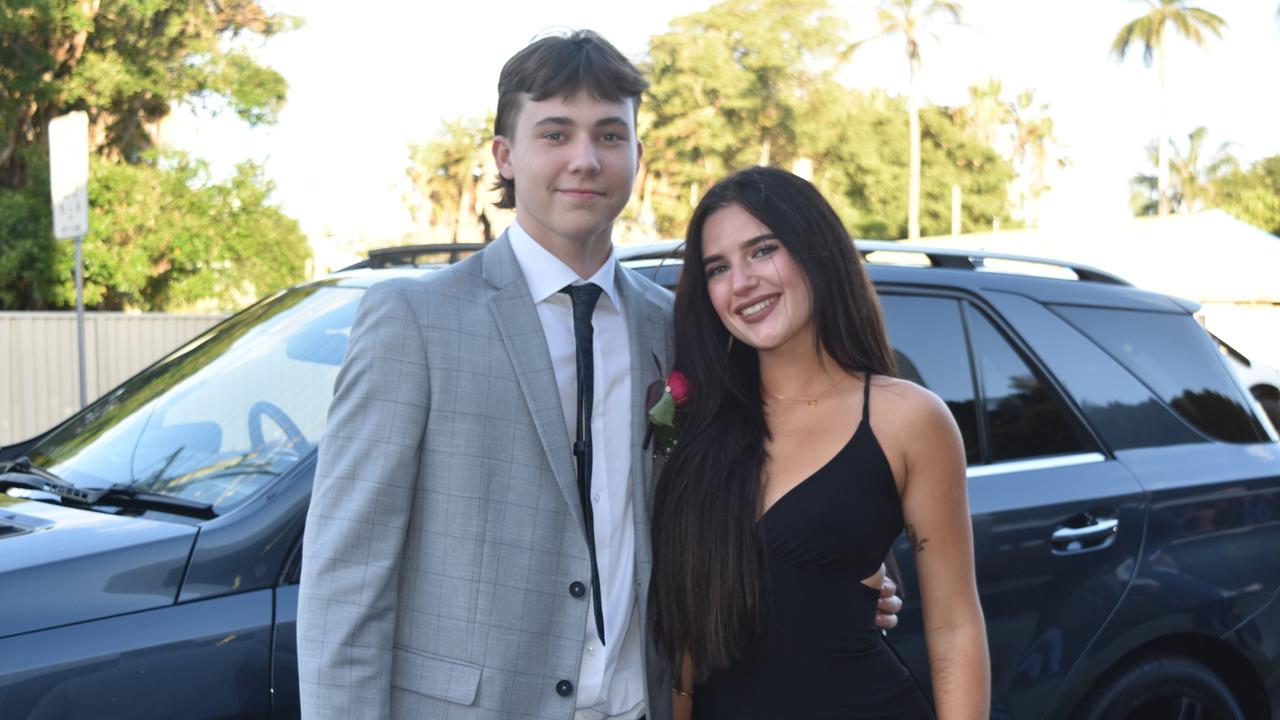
{"points": [[928, 342], [665, 273], [1122, 410], [1174, 357], [220, 418], [1024, 417]]}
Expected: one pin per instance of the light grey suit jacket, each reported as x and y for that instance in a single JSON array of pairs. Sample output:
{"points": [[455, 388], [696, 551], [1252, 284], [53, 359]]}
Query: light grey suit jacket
{"points": [[445, 527]]}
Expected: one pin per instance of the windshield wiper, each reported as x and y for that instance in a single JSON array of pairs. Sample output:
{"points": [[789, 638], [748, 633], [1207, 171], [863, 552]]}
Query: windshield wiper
{"points": [[22, 474], [45, 480]]}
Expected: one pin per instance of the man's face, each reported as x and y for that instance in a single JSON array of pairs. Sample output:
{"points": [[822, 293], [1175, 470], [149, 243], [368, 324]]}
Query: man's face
{"points": [[574, 161]]}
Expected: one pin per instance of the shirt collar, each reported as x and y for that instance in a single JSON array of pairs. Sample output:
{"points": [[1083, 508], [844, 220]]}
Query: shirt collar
{"points": [[546, 274]]}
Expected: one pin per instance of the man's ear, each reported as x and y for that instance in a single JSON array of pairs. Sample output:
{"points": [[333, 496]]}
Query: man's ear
{"points": [[639, 152], [502, 156]]}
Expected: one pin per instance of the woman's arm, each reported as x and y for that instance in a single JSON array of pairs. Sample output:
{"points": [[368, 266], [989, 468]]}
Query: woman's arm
{"points": [[935, 507], [682, 692]]}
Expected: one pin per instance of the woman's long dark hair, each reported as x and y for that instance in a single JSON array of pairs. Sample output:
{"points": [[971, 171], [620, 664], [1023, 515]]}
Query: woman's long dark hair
{"points": [[706, 590]]}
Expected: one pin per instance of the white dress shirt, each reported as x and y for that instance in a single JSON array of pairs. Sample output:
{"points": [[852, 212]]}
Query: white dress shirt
{"points": [[611, 682]]}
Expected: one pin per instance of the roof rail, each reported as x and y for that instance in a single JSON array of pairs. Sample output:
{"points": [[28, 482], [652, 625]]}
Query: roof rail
{"points": [[416, 255], [976, 260]]}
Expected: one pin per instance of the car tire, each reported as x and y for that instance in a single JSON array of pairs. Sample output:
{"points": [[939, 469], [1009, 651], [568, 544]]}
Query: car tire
{"points": [[1160, 687]]}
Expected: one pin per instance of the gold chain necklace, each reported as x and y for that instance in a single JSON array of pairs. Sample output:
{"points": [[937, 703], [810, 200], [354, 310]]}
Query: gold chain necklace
{"points": [[811, 400]]}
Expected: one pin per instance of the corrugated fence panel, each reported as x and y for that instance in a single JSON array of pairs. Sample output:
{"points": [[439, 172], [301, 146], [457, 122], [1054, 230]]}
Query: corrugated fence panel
{"points": [[39, 377]]}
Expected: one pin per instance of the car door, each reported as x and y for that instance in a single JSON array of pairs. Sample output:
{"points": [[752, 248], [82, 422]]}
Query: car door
{"points": [[284, 646], [1057, 522]]}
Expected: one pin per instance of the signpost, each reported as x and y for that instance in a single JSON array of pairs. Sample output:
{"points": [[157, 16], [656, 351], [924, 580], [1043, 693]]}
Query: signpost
{"points": [[69, 189]]}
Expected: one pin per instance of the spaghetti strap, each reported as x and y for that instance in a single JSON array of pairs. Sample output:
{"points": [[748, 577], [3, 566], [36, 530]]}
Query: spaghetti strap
{"points": [[866, 396]]}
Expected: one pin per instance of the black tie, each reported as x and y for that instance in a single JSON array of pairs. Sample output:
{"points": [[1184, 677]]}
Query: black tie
{"points": [[584, 303]]}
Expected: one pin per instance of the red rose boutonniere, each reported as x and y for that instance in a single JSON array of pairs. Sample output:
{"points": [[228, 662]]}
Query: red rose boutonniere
{"points": [[663, 398]]}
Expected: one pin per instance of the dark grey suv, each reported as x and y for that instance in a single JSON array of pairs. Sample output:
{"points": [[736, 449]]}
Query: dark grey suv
{"points": [[1125, 503], [1125, 495]]}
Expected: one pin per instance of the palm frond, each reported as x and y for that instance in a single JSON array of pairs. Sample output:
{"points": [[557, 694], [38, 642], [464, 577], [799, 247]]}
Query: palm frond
{"points": [[1142, 30], [1213, 23], [944, 6], [889, 21]]}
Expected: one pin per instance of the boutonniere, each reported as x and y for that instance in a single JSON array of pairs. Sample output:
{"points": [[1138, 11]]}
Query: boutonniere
{"points": [[663, 397]]}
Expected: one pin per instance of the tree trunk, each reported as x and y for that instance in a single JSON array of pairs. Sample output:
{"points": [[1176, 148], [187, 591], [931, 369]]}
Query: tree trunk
{"points": [[766, 151], [913, 180], [465, 225], [1162, 144]]}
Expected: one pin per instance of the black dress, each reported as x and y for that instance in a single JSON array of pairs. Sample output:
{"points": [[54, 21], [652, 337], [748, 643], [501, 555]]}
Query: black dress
{"points": [[820, 654]]}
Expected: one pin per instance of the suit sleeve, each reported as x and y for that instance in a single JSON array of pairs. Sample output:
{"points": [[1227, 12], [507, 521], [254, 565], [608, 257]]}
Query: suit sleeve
{"points": [[360, 510]]}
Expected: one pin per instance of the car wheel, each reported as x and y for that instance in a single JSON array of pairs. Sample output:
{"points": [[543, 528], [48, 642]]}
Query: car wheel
{"points": [[1164, 687]]}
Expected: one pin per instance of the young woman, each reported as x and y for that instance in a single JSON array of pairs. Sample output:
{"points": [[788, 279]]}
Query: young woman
{"points": [[800, 459]]}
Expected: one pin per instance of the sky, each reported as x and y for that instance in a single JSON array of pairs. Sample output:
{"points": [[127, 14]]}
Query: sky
{"points": [[366, 79]]}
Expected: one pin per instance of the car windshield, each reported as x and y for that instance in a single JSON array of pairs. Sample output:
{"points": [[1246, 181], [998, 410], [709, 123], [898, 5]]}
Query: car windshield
{"points": [[221, 417]]}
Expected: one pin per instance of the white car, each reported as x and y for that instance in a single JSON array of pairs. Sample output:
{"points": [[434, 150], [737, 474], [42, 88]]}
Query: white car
{"points": [[1261, 380]]}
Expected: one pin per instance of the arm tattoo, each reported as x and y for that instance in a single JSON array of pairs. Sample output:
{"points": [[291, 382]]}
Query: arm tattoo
{"points": [[917, 542]]}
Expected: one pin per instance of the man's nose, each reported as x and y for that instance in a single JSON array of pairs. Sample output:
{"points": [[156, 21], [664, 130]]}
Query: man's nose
{"points": [[585, 157]]}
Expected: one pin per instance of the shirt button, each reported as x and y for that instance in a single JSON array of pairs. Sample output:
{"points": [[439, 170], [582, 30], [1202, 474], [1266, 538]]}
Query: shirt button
{"points": [[595, 497], [577, 589], [564, 688], [591, 648]]}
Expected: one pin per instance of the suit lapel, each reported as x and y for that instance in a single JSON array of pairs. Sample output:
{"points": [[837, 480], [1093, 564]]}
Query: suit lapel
{"points": [[526, 344], [645, 328]]}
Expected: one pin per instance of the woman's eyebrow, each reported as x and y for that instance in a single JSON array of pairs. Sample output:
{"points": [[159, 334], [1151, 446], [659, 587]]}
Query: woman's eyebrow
{"points": [[746, 244]]}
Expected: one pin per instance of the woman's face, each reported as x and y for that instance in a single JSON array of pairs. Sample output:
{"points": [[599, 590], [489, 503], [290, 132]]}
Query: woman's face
{"points": [[755, 286]]}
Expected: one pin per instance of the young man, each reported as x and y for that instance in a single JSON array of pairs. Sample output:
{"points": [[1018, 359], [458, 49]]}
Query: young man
{"points": [[478, 539]]}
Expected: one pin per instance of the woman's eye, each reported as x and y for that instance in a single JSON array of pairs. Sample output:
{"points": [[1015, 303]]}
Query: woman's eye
{"points": [[716, 270], [764, 251]]}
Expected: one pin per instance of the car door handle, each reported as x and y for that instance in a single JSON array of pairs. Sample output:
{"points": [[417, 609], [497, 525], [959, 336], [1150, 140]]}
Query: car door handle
{"points": [[1095, 534]]}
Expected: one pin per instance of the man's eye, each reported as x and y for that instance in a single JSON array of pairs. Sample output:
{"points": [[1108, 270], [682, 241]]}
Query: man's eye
{"points": [[554, 136], [613, 137]]}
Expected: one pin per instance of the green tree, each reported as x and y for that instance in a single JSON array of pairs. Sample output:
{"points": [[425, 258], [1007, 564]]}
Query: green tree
{"points": [[988, 114], [728, 87], [1252, 195], [162, 235], [450, 178], [912, 19], [862, 152], [127, 63], [1149, 32], [1022, 129], [1193, 176], [1035, 151]]}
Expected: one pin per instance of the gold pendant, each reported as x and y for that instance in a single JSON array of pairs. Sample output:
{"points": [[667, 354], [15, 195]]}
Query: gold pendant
{"points": [[813, 402]]}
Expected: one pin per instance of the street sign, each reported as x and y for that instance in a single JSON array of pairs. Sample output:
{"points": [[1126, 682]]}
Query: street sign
{"points": [[69, 189], [69, 174]]}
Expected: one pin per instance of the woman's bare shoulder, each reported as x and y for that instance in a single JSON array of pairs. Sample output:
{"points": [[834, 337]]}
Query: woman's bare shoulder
{"points": [[909, 403]]}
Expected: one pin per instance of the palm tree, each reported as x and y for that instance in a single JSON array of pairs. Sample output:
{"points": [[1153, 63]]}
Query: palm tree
{"points": [[1148, 30], [1035, 149], [911, 18], [1194, 174]]}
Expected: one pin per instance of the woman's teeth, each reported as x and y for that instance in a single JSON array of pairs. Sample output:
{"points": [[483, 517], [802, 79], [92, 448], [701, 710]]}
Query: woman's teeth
{"points": [[748, 312]]}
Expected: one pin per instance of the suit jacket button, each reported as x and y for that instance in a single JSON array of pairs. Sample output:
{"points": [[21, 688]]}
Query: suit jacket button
{"points": [[564, 688], [577, 589]]}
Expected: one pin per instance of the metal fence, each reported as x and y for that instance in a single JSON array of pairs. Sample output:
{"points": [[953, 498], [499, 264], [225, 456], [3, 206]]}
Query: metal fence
{"points": [[39, 377]]}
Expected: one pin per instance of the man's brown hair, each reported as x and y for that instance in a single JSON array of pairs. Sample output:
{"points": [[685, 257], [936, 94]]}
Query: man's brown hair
{"points": [[562, 66]]}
